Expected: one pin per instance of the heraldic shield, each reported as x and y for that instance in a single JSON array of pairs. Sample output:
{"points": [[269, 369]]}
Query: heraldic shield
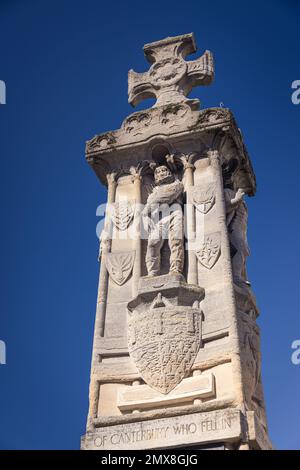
{"points": [[163, 341]]}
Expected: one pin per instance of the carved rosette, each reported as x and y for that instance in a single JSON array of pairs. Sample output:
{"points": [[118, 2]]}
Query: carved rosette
{"points": [[167, 71]]}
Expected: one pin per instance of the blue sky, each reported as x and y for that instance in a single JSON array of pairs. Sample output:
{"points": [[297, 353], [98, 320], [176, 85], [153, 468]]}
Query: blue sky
{"points": [[65, 65]]}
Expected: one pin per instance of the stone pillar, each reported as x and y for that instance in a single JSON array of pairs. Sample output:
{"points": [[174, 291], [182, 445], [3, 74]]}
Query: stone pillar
{"points": [[106, 247], [227, 275], [137, 268], [192, 275]]}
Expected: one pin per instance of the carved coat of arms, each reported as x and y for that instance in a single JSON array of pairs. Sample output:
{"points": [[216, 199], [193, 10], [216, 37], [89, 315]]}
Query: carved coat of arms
{"points": [[119, 266], [210, 250], [163, 341], [122, 214], [203, 198]]}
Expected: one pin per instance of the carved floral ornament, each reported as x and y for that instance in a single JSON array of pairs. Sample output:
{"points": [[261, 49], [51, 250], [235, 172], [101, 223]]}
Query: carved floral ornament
{"points": [[100, 142], [136, 123], [170, 78], [169, 115], [213, 116], [172, 113], [210, 250]]}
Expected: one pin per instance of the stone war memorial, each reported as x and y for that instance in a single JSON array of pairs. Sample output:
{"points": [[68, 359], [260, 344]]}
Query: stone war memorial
{"points": [[176, 359]]}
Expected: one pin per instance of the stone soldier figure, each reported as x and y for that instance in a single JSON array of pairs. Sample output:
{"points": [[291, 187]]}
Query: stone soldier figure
{"points": [[237, 218], [164, 206]]}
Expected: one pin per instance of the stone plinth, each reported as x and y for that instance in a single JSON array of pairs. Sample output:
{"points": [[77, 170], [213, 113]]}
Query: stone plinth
{"points": [[197, 428]]}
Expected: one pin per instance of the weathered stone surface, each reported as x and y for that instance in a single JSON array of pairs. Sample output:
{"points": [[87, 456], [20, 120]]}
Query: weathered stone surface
{"points": [[215, 426], [257, 434]]}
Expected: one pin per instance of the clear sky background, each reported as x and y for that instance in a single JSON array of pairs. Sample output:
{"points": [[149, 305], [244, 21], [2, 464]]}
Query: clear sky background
{"points": [[65, 65]]}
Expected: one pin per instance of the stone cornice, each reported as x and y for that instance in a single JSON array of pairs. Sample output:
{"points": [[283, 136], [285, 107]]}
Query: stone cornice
{"points": [[208, 128]]}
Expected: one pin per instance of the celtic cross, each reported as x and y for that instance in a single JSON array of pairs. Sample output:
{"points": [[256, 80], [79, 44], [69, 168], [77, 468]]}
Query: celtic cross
{"points": [[170, 78]]}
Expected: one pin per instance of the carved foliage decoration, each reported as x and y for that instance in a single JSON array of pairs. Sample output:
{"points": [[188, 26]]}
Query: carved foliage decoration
{"points": [[213, 116], [163, 341], [100, 142], [210, 250], [173, 113], [136, 123], [122, 214], [119, 266], [203, 198]]}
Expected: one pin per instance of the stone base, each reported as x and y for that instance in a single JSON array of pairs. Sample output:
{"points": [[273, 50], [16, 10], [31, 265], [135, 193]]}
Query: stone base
{"points": [[173, 287], [177, 431], [226, 428]]}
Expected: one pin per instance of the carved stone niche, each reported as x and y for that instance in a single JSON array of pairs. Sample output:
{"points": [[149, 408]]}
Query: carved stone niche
{"points": [[165, 329]]}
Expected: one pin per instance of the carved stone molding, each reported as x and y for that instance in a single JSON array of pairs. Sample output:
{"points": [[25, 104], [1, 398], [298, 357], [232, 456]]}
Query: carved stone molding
{"points": [[100, 142], [171, 113], [213, 116], [136, 123], [142, 397]]}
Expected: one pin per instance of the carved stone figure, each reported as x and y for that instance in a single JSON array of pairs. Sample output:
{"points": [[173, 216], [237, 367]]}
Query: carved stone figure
{"points": [[166, 222], [237, 218]]}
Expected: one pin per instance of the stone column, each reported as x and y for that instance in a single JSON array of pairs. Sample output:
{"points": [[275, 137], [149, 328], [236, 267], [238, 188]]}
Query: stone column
{"points": [[192, 274], [106, 247], [101, 303], [137, 268], [228, 278]]}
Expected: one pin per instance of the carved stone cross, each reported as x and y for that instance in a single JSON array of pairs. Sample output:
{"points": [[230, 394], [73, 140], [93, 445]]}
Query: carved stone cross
{"points": [[170, 78]]}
